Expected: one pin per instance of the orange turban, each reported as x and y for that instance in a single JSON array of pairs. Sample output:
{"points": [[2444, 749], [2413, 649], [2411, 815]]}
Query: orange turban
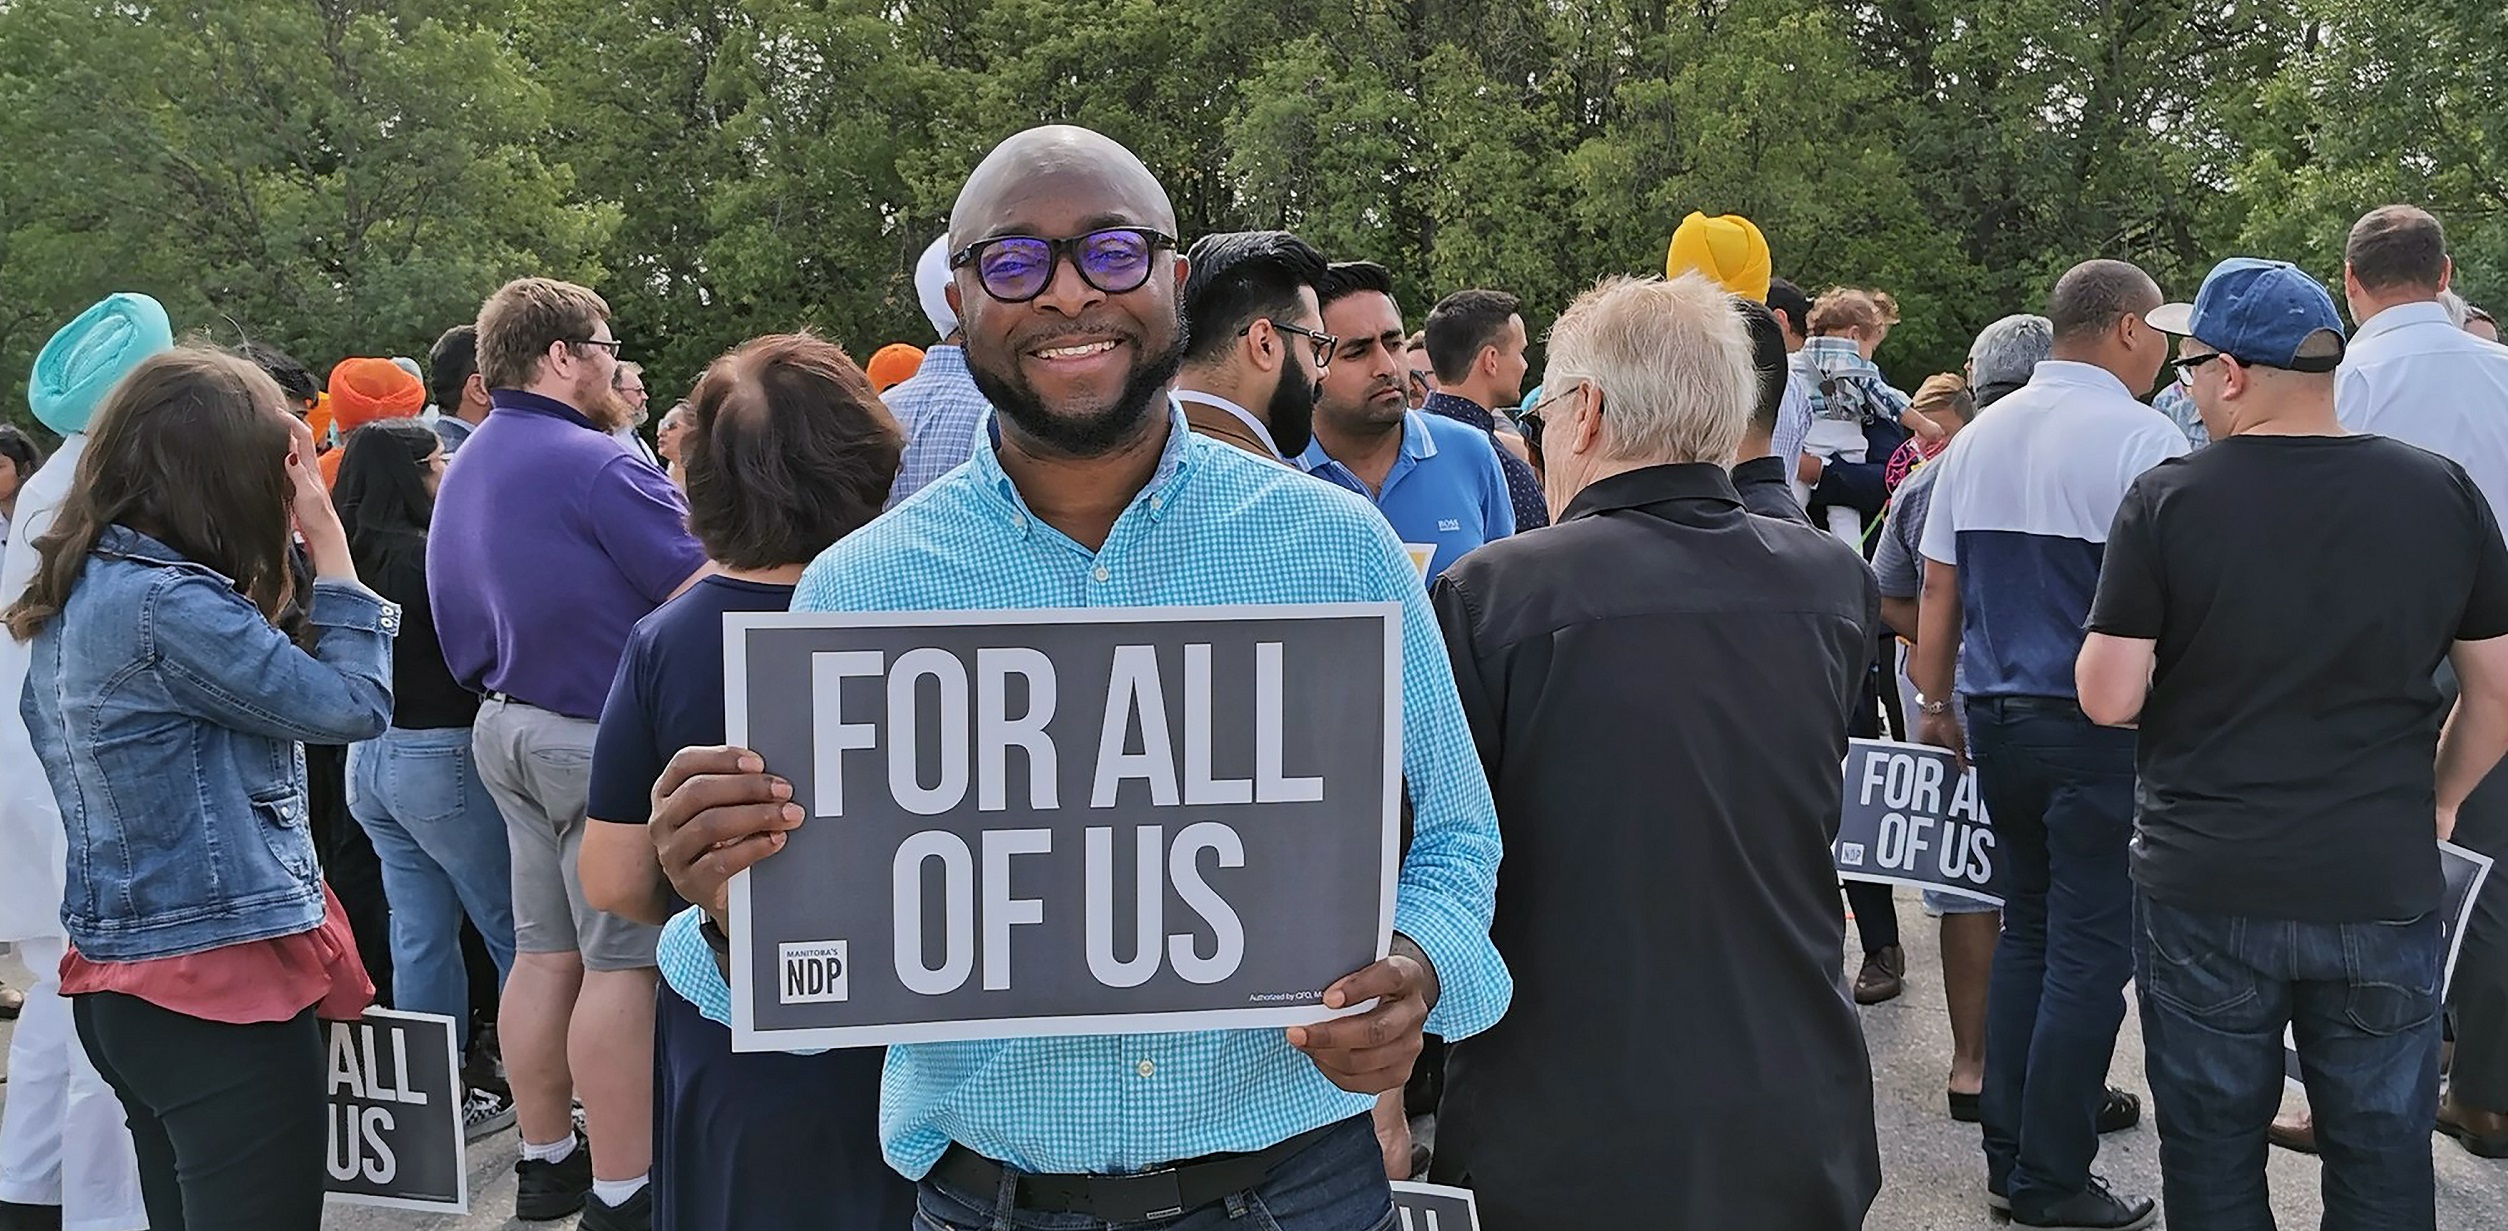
{"points": [[892, 364], [364, 390]]}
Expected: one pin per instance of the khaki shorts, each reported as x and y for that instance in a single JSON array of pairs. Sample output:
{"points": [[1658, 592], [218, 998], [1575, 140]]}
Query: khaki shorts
{"points": [[538, 765]]}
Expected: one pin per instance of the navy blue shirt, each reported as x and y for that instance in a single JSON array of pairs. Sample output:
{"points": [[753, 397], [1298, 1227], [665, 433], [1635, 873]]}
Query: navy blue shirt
{"points": [[761, 1141], [1532, 509]]}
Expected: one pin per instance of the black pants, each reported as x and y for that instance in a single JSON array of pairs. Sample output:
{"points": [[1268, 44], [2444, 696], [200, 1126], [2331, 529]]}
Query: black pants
{"points": [[1876, 918], [228, 1121]]}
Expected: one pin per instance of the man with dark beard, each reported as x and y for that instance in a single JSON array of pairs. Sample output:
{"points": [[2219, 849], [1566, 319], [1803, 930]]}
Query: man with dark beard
{"points": [[549, 543], [1096, 494], [1256, 347]]}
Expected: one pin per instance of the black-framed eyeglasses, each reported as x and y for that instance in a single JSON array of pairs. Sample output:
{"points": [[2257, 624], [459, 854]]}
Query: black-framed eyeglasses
{"points": [[1542, 407], [613, 346], [2186, 367], [1325, 344], [1018, 268]]}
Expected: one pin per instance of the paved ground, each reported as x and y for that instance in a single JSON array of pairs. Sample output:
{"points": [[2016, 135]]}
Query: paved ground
{"points": [[1931, 1164]]}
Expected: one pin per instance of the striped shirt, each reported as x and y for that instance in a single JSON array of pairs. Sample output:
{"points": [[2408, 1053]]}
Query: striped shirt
{"points": [[1213, 526]]}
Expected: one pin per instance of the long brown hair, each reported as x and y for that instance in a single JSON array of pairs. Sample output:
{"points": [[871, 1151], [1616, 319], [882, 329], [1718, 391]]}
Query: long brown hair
{"points": [[191, 450]]}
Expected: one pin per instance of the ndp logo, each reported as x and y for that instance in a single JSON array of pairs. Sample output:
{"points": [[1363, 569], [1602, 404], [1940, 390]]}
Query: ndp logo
{"points": [[814, 972]]}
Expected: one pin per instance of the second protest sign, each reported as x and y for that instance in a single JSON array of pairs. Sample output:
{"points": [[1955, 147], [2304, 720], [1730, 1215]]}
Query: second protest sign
{"points": [[1064, 821], [1912, 816]]}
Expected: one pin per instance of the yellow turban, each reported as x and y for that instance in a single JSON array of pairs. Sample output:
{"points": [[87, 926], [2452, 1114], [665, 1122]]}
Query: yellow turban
{"points": [[1727, 249]]}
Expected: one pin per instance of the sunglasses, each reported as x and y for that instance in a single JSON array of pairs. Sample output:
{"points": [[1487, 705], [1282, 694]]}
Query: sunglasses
{"points": [[1533, 416], [1323, 343], [2186, 367], [1018, 268]]}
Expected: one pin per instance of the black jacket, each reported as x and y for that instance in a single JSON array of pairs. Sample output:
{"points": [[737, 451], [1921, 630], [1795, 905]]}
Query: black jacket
{"points": [[1658, 687]]}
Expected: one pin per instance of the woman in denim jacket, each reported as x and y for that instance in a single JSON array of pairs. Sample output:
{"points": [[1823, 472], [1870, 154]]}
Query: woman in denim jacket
{"points": [[167, 708]]}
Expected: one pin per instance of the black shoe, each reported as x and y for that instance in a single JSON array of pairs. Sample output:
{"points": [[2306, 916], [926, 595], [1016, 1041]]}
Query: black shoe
{"points": [[635, 1215], [1883, 977], [543, 1191], [1999, 1196], [16, 1216], [2092, 1209], [1967, 1108], [2121, 1111]]}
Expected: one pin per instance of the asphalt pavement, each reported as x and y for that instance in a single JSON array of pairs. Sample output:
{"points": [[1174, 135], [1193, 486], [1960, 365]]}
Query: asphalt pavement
{"points": [[1932, 1172]]}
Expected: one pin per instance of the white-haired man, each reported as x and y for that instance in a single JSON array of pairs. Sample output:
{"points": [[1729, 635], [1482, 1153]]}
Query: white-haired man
{"points": [[1659, 685]]}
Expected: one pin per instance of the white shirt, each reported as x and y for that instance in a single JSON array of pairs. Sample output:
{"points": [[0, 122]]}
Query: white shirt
{"points": [[32, 844], [2412, 375], [2022, 508], [1243, 416]]}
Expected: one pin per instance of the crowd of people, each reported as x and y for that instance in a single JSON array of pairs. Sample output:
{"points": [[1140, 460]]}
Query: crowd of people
{"points": [[407, 687]]}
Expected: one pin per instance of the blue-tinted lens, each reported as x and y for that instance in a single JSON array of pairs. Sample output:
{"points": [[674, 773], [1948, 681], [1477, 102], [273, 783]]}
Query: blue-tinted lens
{"points": [[1115, 261], [1015, 268]]}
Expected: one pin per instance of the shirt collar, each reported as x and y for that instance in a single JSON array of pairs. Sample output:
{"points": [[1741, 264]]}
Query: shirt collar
{"points": [[1632, 489], [2423, 312], [1241, 414], [1455, 406], [1417, 445], [1175, 465], [2075, 375], [943, 360], [534, 404]]}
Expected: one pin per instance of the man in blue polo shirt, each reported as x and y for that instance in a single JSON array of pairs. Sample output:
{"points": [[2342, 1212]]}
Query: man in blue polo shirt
{"points": [[550, 541], [1438, 481]]}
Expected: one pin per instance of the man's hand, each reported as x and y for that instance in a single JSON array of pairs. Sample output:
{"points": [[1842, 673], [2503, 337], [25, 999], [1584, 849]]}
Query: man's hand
{"points": [[1372, 1052], [1393, 1134], [716, 811], [1807, 469], [1942, 731]]}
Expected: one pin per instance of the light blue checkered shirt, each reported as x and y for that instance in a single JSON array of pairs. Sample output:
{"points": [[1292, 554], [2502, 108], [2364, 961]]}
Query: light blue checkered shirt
{"points": [[941, 413], [1214, 526]]}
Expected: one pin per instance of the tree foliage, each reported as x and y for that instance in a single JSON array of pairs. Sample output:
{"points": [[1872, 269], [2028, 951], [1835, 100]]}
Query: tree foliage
{"points": [[351, 176]]}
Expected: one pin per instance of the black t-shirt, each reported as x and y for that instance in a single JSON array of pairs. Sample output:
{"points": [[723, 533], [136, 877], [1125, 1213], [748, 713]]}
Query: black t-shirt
{"points": [[2302, 591], [668, 693], [425, 696]]}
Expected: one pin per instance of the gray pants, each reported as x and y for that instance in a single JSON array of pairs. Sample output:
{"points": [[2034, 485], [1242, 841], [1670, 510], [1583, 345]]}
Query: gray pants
{"points": [[538, 765]]}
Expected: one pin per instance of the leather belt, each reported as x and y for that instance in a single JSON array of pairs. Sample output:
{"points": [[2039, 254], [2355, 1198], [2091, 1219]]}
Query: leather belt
{"points": [[1166, 1192]]}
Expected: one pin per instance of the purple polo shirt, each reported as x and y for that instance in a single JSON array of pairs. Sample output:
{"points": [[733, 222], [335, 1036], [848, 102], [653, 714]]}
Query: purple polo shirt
{"points": [[550, 541]]}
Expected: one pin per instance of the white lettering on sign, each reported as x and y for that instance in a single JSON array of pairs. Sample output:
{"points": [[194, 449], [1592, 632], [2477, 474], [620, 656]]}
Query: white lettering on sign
{"points": [[359, 1144], [1149, 906], [958, 890], [1002, 911], [1904, 780], [1229, 933], [1134, 697], [359, 1136], [831, 735], [814, 972], [905, 731], [996, 732]]}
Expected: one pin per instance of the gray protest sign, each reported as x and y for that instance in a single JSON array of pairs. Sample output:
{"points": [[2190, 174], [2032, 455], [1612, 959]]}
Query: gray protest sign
{"points": [[1064, 821], [1911, 816], [1434, 1207], [396, 1113]]}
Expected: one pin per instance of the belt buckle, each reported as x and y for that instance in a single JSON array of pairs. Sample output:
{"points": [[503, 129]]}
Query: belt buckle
{"points": [[1148, 1195]]}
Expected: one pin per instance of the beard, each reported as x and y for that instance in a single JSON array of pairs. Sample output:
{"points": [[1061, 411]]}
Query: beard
{"points": [[1089, 433], [601, 403], [1291, 411]]}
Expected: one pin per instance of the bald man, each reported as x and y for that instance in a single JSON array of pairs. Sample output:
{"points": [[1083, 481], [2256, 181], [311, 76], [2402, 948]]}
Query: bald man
{"points": [[2012, 549], [1094, 493]]}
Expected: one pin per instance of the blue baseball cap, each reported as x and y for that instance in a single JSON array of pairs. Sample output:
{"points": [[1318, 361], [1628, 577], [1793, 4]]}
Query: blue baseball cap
{"points": [[2263, 313], [90, 355]]}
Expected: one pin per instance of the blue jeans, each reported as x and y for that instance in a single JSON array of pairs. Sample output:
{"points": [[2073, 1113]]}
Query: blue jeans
{"points": [[418, 796], [1336, 1184], [2061, 792], [2362, 1001]]}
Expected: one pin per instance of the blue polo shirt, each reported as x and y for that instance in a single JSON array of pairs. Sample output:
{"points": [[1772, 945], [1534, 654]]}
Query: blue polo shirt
{"points": [[1445, 491], [550, 541]]}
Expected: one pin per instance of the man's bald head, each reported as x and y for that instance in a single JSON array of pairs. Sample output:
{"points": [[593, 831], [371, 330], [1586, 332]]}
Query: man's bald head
{"points": [[1042, 161], [1076, 369], [2092, 296]]}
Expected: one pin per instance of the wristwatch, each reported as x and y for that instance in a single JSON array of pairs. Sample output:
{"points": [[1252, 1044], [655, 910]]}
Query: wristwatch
{"points": [[714, 937], [1932, 707]]}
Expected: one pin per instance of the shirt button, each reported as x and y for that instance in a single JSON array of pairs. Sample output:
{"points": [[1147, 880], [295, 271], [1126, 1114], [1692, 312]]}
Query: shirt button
{"points": [[1019, 520], [1145, 1068], [1157, 502], [1100, 575]]}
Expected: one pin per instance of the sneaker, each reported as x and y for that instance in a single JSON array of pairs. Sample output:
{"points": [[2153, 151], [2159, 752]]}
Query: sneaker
{"points": [[543, 1191], [635, 1215], [2121, 1110], [486, 1111], [1999, 1196], [2094, 1208]]}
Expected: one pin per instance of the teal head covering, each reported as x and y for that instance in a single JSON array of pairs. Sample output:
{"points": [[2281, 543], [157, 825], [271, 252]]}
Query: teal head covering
{"points": [[83, 362]]}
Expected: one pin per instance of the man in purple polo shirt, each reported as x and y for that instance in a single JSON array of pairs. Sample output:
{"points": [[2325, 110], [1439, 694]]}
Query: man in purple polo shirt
{"points": [[550, 541]]}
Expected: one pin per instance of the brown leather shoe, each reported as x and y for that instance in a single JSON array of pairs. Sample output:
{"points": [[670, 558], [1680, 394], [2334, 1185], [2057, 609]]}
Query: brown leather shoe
{"points": [[2484, 1134], [2296, 1133], [1883, 977]]}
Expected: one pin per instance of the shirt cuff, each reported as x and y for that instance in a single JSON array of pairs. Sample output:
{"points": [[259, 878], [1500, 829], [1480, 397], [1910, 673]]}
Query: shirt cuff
{"points": [[687, 964], [1473, 986], [346, 604]]}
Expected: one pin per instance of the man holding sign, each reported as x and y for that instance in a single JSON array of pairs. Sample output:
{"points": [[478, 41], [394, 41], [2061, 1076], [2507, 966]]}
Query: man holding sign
{"points": [[2256, 617], [1096, 495]]}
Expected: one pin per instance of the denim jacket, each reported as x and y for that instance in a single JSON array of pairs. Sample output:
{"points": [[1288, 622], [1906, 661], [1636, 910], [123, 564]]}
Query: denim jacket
{"points": [[167, 713]]}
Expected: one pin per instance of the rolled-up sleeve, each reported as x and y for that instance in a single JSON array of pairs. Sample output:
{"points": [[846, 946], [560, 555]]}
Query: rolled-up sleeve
{"points": [[1449, 884], [687, 964]]}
